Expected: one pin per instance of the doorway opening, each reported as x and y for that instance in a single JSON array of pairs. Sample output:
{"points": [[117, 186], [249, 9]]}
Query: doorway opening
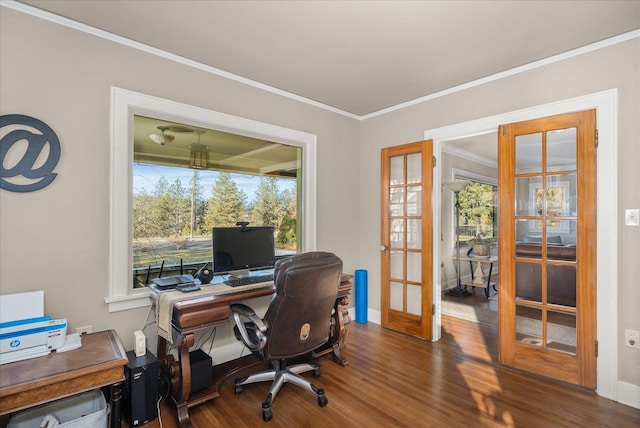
{"points": [[472, 160]]}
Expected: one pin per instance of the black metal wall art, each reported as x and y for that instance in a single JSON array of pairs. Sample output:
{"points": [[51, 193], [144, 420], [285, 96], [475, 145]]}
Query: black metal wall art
{"points": [[38, 135]]}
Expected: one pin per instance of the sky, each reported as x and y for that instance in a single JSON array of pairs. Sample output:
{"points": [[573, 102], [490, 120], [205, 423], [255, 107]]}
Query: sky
{"points": [[146, 175]]}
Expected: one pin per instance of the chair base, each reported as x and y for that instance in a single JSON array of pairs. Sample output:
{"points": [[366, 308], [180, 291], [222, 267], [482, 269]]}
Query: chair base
{"points": [[280, 375]]}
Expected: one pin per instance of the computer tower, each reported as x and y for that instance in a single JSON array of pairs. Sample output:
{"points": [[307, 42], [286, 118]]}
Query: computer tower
{"points": [[140, 392]]}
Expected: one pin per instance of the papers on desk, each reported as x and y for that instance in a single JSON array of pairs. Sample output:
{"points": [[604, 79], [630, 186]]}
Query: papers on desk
{"points": [[71, 342]]}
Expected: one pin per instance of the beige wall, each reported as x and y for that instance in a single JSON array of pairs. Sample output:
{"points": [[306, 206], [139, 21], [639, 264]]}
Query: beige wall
{"points": [[613, 67], [56, 239]]}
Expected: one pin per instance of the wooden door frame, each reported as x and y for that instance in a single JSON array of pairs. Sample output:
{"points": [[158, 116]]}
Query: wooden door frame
{"points": [[607, 231]]}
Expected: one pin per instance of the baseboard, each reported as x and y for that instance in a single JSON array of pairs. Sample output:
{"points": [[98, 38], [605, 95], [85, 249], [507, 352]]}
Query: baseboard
{"points": [[372, 315], [629, 394]]}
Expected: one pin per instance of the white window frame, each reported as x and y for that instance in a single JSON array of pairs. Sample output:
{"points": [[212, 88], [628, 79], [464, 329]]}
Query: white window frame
{"points": [[124, 104]]}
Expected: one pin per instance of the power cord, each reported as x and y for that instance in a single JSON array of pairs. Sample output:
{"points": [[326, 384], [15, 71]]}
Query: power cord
{"points": [[158, 407], [147, 323], [165, 383]]}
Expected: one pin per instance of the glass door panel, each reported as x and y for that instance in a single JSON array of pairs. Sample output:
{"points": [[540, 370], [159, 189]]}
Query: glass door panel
{"points": [[529, 326], [397, 265], [561, 285], [528, 281], [561, 150], [414, 200], [528, 153], [397, 296], [414, 266], [396, 201], [561, 331], [414, 233], [396, 232], [397, 170], [414, 299], [414, 168]]}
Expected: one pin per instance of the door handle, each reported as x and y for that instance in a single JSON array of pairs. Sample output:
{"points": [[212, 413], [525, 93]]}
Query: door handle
{"points": [[383, 248]]}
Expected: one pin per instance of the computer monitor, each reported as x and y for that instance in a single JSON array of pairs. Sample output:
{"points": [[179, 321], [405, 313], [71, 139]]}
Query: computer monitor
{"points": [[242, 248]]}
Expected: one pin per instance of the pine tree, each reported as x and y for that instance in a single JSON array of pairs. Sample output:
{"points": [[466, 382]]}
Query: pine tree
{"points": [[269, 207], [227, 204], [195, 225]]}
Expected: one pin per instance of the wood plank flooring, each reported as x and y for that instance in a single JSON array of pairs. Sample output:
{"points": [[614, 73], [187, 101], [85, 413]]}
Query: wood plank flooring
{"points": [[394, 380]]}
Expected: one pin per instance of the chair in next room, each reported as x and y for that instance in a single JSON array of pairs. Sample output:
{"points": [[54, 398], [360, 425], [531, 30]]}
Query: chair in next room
{"points": [[296, 322]]}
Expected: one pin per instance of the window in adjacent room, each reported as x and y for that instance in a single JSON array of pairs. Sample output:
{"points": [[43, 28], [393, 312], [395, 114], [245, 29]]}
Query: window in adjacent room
{"points": [[187, 180], [478, 211]]}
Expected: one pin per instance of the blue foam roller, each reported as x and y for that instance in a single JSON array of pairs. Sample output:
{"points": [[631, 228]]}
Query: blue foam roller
{"points": [[361, 296]]}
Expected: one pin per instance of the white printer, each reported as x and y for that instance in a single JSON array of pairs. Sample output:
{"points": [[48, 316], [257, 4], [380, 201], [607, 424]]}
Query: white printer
{"points": [[25, 332]]}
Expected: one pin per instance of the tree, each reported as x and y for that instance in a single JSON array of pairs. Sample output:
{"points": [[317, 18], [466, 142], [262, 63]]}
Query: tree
{"points": [[287, 233], [197, 209], [477, 206], [269, 207], [143, 222], [227, 204]]}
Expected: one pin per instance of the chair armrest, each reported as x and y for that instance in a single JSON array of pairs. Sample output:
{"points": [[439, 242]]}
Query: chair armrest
{"points": [[240, 313]]}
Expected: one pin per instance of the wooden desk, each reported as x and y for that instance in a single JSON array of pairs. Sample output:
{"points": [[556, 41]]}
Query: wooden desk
{"points": [[188, 318], [478, 279], [99, 362]]}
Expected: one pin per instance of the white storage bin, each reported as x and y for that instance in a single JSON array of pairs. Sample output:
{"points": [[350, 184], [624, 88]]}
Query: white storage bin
{"points": [[86, 410]]}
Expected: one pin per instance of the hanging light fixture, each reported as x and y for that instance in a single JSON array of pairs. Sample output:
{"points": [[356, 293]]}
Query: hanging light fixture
{"points": [[198, 158]]}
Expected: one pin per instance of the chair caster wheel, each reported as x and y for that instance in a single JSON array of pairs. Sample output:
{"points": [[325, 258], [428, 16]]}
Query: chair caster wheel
{"points": [[267, 415], [239, 389], [317, 373], [322, 400]]}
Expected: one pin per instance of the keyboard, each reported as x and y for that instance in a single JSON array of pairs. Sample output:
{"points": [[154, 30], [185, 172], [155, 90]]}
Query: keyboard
{"points": [[174, 281], [248, 280]]}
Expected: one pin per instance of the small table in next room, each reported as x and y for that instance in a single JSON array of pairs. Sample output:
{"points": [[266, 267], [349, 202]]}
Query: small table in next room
{"points": [[478, 278]]}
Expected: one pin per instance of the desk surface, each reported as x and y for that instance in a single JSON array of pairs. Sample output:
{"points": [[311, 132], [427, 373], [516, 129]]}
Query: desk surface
{"points": [[99, 362], [171, 303]]}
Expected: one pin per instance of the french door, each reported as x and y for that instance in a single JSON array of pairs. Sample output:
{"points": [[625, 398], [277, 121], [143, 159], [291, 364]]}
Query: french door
{"points": [[406, 239], [547, 246]]}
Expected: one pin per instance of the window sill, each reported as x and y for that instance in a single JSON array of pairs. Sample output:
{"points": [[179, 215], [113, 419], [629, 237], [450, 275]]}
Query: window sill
{"points": [[132, 301]]}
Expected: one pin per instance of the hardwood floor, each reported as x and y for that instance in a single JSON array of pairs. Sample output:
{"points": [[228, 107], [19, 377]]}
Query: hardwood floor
{"points": [[394, 380]]}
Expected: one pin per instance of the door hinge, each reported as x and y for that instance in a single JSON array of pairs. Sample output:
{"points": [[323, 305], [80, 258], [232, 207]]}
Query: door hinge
{"points": [[504, 130], [596, 138], [433, 309], [433, 162], [596, 349]]}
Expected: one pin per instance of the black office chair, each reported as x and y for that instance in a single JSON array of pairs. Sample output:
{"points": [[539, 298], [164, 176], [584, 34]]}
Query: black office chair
{"points": [[297, 321]]}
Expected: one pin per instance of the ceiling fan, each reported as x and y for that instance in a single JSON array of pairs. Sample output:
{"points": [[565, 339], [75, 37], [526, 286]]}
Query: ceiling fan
{"points": [[164, 138]]}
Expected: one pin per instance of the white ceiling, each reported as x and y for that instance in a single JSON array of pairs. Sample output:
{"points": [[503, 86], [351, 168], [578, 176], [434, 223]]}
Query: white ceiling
{"points": [[358, 57]]}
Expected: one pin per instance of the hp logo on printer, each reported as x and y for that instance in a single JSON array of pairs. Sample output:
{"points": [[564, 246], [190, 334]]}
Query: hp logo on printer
{"points": [[14, 343]]}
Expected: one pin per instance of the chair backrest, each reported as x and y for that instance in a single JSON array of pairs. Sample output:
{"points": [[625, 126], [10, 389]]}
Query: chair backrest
{"points": [[298, 317]]}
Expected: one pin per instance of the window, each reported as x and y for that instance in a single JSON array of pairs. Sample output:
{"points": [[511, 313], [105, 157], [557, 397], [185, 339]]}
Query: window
{"points": [[478, 213], [187, 180], [127, 161]]}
